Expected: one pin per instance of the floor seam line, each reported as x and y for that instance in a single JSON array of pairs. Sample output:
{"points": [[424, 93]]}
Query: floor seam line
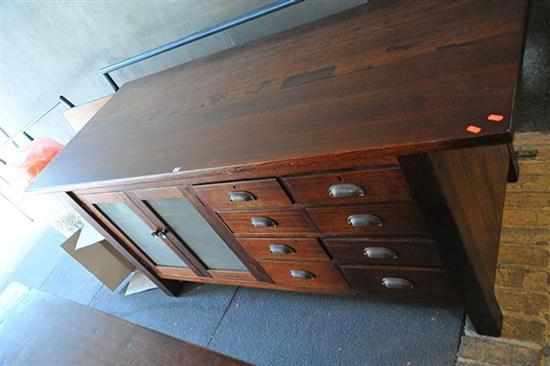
{"points": [[90, 304], [45, 280], [222, 317]]}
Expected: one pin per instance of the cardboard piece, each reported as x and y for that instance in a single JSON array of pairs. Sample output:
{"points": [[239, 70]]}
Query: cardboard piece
{"points": [[139, 283], [80, 115], [88, 236], [98, 257]]}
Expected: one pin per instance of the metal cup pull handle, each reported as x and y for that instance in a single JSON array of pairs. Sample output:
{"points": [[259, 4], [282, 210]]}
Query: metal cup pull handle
{"points": [[345, 190], [160, 233], [281, 249], [365, 220], [396, 283], [380, 253], [262, 222], [301, 274], [241, 196]]}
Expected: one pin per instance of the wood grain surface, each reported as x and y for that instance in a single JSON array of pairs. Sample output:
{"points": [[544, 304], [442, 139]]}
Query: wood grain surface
{"points": [[391, 76], [424, 280], [288, 222], [380, 185], [301, 249], [326, 275], [461, 194], [267, 193], [397, 219], [408, 252]]}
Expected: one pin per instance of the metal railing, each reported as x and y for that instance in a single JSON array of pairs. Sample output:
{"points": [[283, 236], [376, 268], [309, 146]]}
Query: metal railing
{"points": [[23, 131], [193, 37]]}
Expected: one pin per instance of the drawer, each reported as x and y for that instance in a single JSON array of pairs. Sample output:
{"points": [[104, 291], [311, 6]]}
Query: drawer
{"points": [[402, 252], [395, 219], [305, 274], [372, 186], [268, 222], [284, 249], [264, 193], [397, 279]]}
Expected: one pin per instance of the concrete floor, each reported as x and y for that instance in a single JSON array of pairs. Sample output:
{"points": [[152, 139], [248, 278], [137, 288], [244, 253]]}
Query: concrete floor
{"points": [[259, 326]]}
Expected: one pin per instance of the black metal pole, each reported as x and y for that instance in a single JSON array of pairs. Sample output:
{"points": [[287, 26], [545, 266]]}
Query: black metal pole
{"points": [[28, 136], [111, 81], [193, 37], [67, 102]]}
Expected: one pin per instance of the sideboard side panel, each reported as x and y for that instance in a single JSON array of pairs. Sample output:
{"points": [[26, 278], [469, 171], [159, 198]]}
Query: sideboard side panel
{"points": [[461, 193], [474, 184]]}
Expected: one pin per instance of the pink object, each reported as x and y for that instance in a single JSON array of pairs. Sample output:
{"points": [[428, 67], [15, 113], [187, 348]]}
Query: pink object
{"points": [[37, 155]]}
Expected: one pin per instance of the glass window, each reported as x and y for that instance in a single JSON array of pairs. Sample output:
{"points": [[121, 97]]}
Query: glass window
{"points": [[197, 233], [138, 231]]}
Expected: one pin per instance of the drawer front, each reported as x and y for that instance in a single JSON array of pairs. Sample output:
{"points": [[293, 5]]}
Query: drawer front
{"points": [[396, 219], [384, 185], [396, 280], [402, 252], [305, 275], [284, 249], [265, 222], [264, 193]]}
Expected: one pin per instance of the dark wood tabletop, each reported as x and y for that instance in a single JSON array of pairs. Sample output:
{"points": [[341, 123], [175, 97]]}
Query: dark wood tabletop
{"points": [[39, 329], [391, 76]]}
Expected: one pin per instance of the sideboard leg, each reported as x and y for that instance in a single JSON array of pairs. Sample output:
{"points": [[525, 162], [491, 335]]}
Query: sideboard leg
{"points": [[461, 194]]}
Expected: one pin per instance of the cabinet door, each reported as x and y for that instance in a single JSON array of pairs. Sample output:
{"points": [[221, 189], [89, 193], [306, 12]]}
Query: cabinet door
{"points": [[139, 234], [165, 227], [172, 209]]}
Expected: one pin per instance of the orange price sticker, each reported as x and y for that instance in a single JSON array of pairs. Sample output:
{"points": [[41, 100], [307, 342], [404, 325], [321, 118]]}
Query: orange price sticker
{"points": [[473, 129], [495, 118]]}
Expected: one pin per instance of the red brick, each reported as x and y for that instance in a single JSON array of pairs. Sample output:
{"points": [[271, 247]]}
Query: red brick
{"points": [[534, 167], [520, 217], [522, 278], [494, 351], [527, 200], [531, 138], [523, 255], [525, 329], [529, 236], [531, 183], [523, 302]]}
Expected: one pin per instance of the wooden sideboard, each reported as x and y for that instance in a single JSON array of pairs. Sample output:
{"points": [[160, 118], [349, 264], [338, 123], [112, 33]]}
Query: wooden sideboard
{"points": [[365, 152]]}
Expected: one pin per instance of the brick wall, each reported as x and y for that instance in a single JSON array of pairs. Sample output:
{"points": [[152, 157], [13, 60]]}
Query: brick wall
{"points": [[523, 275]]}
